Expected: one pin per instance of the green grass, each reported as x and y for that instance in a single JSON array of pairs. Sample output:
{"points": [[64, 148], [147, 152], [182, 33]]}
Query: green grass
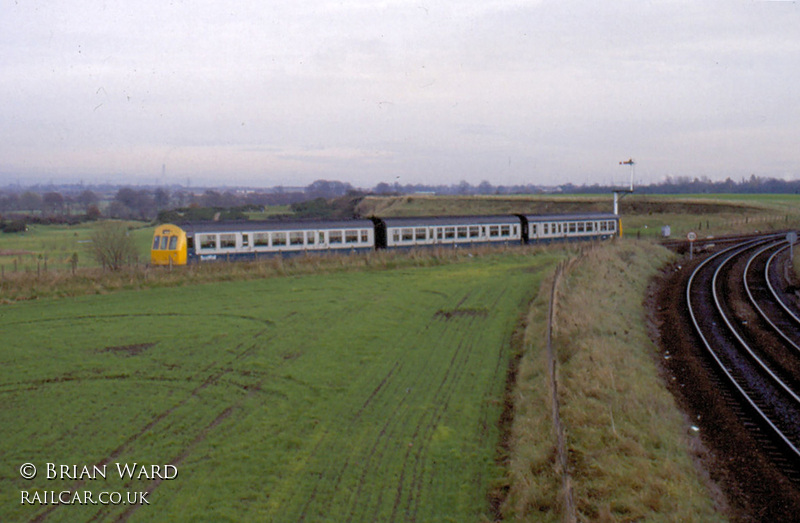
{"points": [[57, 244], [355, 395]]}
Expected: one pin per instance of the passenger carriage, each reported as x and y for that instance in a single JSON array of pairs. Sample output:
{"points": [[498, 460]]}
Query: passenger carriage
{"points": [[447, 231], [539, 228]]}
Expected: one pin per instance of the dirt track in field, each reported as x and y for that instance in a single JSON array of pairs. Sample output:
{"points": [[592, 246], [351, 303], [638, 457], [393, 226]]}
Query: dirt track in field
{"points": [[746, 484]]}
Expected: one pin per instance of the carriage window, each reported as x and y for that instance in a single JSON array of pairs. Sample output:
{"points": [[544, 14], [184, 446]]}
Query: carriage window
{"points": [[505, 230], [395, 235], [321, 237], [439, 233], [603, 226], [546, 228], [261, 239], [421, 234], [278, 238], [612, 226], [227, 241], [581, 226], [533, 229], [245, 240], [408, 235], [474, 231], [494, 231], [449, 232], [155, 242], [310, 238], [296, 238], [351, 236], [364, 236], [207, 241], [335, 236], [462, 232], [173, 243]]}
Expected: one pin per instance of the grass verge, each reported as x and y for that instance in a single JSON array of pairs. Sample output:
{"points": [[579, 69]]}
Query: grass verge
{"points": [[628, 444]]}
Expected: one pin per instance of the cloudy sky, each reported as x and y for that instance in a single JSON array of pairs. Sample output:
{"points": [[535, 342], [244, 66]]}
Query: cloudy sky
{"points": [[266, 93]]}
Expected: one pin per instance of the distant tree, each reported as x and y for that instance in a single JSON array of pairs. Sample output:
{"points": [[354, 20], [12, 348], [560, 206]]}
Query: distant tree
{"points": [[161, 198], [30, 201], [92, 212], [87, 198], [112, 246], [53, 203]]}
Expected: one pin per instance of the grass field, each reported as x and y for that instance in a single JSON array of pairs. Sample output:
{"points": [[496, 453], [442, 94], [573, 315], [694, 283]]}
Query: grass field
{"points": [[57, 244], [366, 396]]}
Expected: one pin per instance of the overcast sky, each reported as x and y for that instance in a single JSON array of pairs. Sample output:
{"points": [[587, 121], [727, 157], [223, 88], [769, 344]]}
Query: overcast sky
{"points": [[266, 93]]}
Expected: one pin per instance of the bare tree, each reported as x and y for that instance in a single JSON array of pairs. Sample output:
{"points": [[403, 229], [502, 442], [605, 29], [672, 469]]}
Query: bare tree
{"points": [[112, 246]]}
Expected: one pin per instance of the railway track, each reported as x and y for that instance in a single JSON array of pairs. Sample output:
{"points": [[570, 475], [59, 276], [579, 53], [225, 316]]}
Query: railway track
{"points": [[751, 337]]}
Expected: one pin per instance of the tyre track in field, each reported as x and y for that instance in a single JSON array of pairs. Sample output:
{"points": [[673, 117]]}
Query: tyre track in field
{"points": [[303, 513], [447, 388], [160, 417], [385, 437], [95, 317]]}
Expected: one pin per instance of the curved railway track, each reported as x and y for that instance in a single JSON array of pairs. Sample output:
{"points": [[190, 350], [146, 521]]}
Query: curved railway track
{"points": [[755, 352], [726, 327]]}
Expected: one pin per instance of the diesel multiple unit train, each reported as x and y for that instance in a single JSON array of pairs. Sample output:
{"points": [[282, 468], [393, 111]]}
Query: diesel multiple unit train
{"points": [[247, 240]]}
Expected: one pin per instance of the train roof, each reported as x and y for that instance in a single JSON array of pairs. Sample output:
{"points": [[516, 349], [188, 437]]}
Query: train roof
{"points": [[569, 217], [412, 221], [192, 228]]}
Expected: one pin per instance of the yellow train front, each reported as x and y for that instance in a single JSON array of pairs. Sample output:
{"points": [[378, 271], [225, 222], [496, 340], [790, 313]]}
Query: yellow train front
{"points": [[169, 246]]}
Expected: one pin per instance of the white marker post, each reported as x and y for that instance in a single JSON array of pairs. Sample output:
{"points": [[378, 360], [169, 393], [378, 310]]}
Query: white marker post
{"points": [[791, 238], [692, 236]]}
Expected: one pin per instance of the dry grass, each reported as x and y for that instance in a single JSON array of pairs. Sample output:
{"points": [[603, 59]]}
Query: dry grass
{"points": [[16, 286], [628, 444]]}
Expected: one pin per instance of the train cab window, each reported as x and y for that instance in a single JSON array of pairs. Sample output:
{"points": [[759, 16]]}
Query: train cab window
{"points": [[462, 232], [207, 241], [227, 241], [310, 238], [278, 239], [449, 233], [474, 231], [408, 235], [494, 231], [156, 240], [364, 236], [351, 236], [421, 234], [261, 239], [164, 241], [505, 231], [335, 236], [173, 243]]}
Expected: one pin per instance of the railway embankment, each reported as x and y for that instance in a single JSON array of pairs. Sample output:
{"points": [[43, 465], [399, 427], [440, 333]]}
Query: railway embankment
{"points": [[630, 452]]}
